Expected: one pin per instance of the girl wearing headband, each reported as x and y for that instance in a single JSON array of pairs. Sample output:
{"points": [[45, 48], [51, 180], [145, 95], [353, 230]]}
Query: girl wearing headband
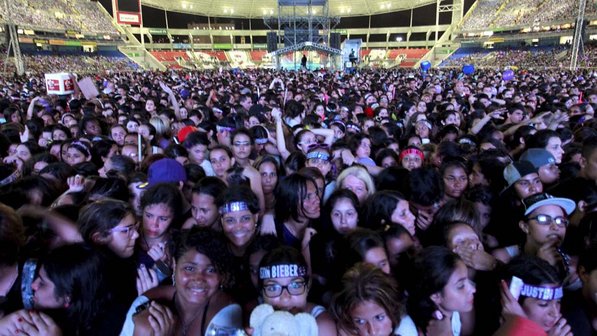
{"points": [[411, 158], [321, 159], [77, 152], [239, 213], [284, 283], [71, 289], [537, 294]]}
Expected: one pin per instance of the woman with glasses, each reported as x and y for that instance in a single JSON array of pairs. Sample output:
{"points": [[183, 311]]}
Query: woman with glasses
{"points": [[544, 224], [111, 225], [284, 283]]}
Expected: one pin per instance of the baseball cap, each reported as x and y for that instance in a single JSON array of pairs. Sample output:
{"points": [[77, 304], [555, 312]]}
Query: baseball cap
{"points": [[164, 171], [531, 203], [516, 170], [538, 157]]}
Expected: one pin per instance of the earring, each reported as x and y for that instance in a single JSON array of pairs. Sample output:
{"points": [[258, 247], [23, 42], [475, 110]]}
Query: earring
{"points": [[173, 280]]}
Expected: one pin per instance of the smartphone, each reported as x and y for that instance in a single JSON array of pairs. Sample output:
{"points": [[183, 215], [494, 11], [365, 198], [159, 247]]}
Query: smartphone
{"points": [[516, 287], [142, 307]]}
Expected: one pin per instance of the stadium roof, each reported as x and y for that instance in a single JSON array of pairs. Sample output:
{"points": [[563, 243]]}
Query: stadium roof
{"points": [[261, 8]]}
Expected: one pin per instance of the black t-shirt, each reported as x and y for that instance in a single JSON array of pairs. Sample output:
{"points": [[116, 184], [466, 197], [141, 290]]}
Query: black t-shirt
{"points": [[574, 309], [13, 300]]}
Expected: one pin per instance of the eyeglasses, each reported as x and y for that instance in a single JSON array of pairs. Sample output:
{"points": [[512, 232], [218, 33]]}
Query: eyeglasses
{"points": [[547, 220], [127, 229], [293, 288]]}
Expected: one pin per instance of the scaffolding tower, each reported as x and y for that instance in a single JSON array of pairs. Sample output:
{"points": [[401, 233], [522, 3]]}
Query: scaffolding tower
{"points": [[577, 43], [13, 43], [303, 25]]}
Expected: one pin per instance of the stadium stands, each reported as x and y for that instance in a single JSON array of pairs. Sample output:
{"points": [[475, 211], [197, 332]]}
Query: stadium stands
{"points": [[529, 57], [72, 15], [76, 62], [505, 13]]}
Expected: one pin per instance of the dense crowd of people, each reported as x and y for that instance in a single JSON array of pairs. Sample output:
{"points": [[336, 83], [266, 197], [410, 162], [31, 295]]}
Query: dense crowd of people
{"points": [[69, 15], [378, 203], [504, 13], [529, 57], [81, 63], [523, 57]]}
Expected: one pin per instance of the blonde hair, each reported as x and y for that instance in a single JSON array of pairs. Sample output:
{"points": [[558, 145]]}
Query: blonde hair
{"points": [[160, 126], [359, 172]]}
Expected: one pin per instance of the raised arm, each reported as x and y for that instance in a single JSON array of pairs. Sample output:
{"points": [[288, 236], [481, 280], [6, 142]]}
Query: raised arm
{"points": [[280, 140], [172, 99], [327, 133]]}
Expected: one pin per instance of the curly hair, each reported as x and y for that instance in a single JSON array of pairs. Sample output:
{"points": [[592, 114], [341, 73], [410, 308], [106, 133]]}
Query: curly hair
{"points": [[209, 243]]}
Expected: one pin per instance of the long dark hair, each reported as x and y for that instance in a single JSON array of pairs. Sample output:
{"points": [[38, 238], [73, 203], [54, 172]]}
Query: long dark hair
{"points": [[77, 273], [432, 271], [290, 193]]}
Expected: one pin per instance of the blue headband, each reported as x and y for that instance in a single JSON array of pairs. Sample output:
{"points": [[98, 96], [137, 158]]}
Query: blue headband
{"points": [[318, 155], [224, 128], [233, 207]]}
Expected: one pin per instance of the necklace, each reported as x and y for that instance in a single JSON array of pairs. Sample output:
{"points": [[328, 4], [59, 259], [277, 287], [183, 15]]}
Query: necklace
{"points": [[187, 325]]}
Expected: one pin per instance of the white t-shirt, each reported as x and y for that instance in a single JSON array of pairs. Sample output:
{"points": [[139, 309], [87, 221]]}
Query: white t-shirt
{"points": [[407, 327]]}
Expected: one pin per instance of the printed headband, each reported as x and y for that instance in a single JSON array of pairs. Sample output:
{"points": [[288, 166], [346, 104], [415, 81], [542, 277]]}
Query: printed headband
{"points": [[233, 207], [318, 155], [354, 127], [542, 293], [224, 128], [282, 271], [414, 151]]}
